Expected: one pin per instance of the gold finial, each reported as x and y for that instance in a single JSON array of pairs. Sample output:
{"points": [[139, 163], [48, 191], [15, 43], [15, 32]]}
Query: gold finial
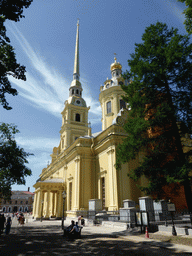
{"points": [[78, 22], [115, 57], [115, 65]]}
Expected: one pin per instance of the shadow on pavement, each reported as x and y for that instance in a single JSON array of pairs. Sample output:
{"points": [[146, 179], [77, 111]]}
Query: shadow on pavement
{"points": [[48, 240]]}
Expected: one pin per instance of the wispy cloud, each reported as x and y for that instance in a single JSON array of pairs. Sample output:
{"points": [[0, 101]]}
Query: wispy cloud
{"points": [[47, 88], [38, 143], [41, 147], [175, 9]]}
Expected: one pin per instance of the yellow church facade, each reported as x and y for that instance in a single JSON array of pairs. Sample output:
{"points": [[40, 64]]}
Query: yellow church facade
{"points": [[83, 165]]}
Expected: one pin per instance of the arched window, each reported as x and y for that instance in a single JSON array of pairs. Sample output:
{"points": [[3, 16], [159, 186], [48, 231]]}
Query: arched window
{"points": [[122, 104], [108, 107], [72, 91], [77, 91], [77, 117]]}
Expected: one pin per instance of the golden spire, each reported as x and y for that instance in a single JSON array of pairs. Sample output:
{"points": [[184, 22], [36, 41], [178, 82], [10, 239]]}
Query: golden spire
{"points": [[76, 62]]}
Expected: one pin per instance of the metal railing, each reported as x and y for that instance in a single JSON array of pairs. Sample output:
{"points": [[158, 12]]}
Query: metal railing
{"points": [[137, 217]]}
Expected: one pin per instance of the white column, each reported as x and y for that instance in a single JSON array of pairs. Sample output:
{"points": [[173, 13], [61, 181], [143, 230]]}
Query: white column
{"points": [[59, 204], [116, 110], [47, 213], [40, 205], [113, 190], [35, 204], [55, 204], [99, 188], [77, 185], [51, 204], [104, 114]]}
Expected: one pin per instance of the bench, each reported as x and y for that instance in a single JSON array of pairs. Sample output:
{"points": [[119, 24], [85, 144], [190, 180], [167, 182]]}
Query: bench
{"points": [[74, 234]]}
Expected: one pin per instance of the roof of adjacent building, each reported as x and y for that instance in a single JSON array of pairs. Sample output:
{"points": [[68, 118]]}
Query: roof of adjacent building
{"points": [[23, 192]]}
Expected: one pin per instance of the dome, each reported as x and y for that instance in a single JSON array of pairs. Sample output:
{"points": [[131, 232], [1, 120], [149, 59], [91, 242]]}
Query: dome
{"points": [[115, 65]]}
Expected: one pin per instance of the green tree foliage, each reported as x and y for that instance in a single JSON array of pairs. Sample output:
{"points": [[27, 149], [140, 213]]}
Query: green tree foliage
{"points": [[188, 15], [159, 96], [12, 160], [11, 10]]}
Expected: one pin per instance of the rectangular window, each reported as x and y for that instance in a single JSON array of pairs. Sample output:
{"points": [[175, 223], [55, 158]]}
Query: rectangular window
{"points": [[108, 107]]}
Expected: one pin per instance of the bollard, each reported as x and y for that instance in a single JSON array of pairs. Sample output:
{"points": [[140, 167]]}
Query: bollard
{"points": [[146, 233]]}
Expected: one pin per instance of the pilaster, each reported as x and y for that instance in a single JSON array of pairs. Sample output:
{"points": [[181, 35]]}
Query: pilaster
{"points": [[113, 199], [77, 184]]}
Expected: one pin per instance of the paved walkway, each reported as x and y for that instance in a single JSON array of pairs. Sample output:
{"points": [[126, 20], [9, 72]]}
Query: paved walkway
{"points": [[45, 238]]}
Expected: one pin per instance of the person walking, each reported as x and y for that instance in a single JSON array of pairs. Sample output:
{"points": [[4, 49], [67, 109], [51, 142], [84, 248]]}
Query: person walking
{"points": [[2, 223], [8, 225]]}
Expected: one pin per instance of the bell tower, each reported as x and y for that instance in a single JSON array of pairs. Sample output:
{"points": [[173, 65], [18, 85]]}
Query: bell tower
{"points": [[111, 95], [75, 113]]}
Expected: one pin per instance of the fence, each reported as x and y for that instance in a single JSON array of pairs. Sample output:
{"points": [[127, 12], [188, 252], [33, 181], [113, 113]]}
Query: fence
{"points": [[140, 218]]}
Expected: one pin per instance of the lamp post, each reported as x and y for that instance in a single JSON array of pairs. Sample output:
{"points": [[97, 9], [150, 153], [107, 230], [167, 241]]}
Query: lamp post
{"points": [[42, 210], [64, 194], [171, 209]]}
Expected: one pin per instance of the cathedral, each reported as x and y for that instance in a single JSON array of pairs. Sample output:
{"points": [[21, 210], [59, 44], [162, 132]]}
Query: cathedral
{"points": [[83, 165]]}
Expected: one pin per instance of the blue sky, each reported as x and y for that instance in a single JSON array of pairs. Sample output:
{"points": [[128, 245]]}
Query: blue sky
{"points": [[44, 42]]}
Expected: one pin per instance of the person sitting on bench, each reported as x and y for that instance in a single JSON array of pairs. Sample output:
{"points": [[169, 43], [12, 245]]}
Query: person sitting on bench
{"points": [[69, 228], [76, 231]]}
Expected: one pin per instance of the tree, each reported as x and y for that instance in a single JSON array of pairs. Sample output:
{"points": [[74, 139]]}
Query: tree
{"points": [[11, 10], [12, 160], [188, 15], [159, 95]]}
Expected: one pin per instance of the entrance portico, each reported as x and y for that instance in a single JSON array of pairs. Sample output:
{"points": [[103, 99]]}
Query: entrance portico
{"points": [[48, 199]]}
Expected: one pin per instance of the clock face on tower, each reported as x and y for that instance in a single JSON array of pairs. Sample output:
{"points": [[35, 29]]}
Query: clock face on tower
{"points": [[77, 101]]}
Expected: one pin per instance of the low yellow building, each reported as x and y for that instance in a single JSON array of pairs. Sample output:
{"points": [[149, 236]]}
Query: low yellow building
{"points": [[83, 164]]}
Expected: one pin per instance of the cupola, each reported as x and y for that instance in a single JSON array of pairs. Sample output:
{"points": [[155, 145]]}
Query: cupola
{"points": [[116, 65]]}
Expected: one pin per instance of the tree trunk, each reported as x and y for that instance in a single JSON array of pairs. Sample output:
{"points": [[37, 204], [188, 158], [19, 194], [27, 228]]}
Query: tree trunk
{"points": [[181, 156], [188, 194]]}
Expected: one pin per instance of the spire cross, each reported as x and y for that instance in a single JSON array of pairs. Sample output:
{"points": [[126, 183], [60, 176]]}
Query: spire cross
{"points": [[115, 56]]}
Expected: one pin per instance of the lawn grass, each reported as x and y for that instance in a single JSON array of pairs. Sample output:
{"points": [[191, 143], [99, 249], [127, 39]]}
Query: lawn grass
{"points": [[184, 240]]}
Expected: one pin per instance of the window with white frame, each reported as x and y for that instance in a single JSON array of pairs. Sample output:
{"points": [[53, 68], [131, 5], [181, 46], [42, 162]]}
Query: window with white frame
{"points": [[108, 107]]}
